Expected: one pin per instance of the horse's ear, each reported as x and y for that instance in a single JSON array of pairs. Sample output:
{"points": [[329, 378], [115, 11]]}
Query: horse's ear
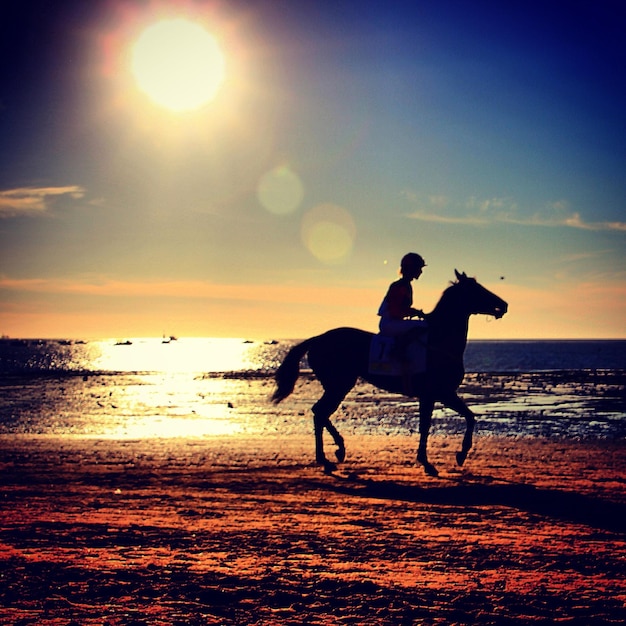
{"points": [[460, 276]]}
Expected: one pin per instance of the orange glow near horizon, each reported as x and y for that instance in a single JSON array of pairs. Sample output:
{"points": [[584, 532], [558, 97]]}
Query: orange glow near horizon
{"points": [[196, 308]]}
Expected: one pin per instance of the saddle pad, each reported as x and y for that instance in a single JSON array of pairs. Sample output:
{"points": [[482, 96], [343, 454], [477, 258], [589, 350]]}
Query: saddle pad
{"points": [[383, 361]]}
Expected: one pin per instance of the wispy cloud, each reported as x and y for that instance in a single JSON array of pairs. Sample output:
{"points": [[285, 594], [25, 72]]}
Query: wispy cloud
{"points": [[583, 256], [482, 212], [575, 221], [34, 200]]}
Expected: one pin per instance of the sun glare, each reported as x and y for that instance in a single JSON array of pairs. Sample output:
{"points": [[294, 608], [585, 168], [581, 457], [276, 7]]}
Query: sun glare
{"points": [[329, 232], [178, 64]]}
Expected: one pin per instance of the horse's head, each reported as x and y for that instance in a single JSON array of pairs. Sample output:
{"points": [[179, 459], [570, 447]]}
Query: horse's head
{"points": [[478, 299]]}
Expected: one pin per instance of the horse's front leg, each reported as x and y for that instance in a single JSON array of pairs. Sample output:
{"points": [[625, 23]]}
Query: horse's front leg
{"points": [[456, 404], [426, 412]]}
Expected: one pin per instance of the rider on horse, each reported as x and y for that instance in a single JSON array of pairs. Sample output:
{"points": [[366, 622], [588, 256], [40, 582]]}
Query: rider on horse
{"points": [[339, 357], [396, 310]]}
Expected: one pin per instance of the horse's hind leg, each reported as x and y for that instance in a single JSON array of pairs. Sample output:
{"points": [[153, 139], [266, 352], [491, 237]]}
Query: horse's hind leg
{"points": [[322, 410]]}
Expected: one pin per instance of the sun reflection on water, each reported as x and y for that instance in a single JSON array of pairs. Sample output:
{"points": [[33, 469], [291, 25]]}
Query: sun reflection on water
{"points": [[185, 355], [140, 388], [173, 405]]}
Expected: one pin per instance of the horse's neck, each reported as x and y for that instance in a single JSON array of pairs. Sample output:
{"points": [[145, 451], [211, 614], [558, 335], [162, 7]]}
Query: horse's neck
{"points": [[451, 338], [448, 325]]}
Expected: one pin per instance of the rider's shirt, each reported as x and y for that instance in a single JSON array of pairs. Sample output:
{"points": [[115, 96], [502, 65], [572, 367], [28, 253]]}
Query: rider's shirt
{"points": [[397, 304]]}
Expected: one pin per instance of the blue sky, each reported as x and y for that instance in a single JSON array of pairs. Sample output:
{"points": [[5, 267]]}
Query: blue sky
{"points": [[487, 136]]}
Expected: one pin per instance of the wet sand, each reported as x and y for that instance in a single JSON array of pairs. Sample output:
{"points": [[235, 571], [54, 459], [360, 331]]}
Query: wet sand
{"points": [[244, 530]]}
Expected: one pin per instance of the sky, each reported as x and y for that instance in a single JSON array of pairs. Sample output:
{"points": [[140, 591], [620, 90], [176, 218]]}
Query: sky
{"points": [[487, 136]]}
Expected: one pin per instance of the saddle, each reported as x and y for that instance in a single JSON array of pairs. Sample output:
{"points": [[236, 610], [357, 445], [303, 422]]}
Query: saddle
{"points": [[392, 356]]}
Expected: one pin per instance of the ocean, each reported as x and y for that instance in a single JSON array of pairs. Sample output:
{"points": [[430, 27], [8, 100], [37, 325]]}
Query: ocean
{"points": [[200, 387], [212, 355]]}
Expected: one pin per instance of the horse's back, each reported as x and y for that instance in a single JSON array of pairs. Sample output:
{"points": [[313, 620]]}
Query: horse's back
{"points": [[347, 334], [345, 340], [342, 352]]}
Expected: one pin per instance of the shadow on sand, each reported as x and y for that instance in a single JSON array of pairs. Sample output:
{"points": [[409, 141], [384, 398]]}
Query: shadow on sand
{"points": [[561, 505]]}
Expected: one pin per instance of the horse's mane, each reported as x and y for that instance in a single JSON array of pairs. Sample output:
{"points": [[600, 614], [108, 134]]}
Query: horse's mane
{"points": [[450, 291], [445, 294]]}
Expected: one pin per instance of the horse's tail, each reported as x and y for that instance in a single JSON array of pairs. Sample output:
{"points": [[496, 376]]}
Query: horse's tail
{"points": [[288, 372]]}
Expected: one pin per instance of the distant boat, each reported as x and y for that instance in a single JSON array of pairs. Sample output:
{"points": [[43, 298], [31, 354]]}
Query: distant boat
{"points": [[128, 342], [169, 339]]}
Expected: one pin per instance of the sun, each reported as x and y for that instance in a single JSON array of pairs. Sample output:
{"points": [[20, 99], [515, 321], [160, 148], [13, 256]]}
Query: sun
{"points": [[178, 64]]}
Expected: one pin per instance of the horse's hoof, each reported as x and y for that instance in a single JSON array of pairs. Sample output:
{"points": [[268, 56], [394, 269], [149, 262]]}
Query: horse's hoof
{"points": [[340, 453], [431, 470], [460, 457], [329, 467]]}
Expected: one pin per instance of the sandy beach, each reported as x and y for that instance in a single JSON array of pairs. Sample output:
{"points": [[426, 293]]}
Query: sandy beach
{"points": [[244, 530]]}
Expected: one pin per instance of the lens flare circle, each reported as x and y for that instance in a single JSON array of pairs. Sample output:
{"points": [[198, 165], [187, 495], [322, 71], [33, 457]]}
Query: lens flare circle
{"points": [[178, 64], [280, 191], [329, 233]]}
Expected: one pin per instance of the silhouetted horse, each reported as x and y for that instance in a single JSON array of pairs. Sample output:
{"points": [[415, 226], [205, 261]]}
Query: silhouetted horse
{"points": [[340, 356]]}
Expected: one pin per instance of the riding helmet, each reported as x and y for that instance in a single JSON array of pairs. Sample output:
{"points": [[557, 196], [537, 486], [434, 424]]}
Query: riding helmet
{"points": [[412, 260]]}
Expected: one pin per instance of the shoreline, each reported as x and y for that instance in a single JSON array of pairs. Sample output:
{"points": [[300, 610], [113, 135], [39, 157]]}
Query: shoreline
{"points": [[245, 530], [567, 404]]}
